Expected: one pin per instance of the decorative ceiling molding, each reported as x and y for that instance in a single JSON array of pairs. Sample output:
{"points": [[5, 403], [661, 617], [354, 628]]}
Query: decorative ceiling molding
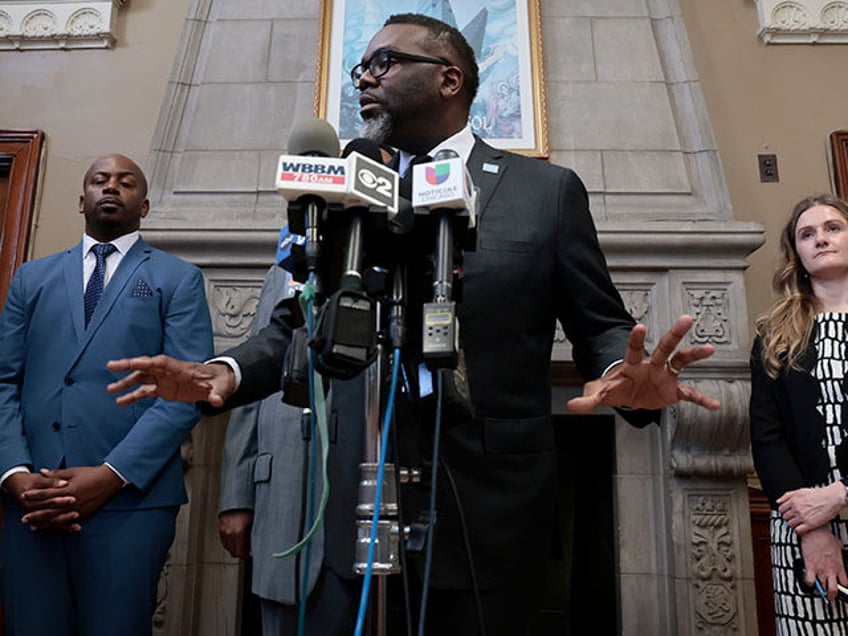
{"points": [[803, 21], [58, 24]]}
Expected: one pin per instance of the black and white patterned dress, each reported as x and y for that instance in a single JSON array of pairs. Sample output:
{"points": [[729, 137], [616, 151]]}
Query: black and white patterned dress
{"points": [[797, 612]]}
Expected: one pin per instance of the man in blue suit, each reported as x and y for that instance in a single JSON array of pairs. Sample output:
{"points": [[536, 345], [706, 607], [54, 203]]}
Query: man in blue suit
{"points": [[91, 490]]}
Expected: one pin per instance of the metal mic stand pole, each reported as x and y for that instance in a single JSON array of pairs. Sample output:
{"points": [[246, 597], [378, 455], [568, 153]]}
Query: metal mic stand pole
{"points": [[373, 440], [386, 559]]}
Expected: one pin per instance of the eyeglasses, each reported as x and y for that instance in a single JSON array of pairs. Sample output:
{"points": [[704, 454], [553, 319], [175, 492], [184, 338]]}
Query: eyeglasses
{"points": [[380, 63]]}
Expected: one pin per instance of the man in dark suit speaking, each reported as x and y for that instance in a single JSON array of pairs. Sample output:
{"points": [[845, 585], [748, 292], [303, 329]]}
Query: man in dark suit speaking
{"points": [[537, 260]]}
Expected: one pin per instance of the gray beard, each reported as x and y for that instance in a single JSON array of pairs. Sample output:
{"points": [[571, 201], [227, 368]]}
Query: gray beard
{"points": [[377, 128]]}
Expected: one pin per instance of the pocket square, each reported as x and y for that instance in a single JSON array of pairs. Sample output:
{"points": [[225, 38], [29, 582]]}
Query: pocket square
{"points": [[141, 290]]}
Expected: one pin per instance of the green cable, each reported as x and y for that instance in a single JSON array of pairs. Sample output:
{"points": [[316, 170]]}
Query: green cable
{"points": [[305, 300]]}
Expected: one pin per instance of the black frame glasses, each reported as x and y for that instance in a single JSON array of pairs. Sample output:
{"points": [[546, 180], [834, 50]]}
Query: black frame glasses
{"points": [[381, 61]]}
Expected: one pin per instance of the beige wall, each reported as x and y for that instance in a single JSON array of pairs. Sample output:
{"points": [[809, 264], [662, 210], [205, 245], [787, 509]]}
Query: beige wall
{"points": [[782, 99], [90, 102]]}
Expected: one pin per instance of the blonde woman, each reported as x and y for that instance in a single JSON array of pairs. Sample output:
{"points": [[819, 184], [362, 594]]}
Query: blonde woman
{"points": [[799, 427]]}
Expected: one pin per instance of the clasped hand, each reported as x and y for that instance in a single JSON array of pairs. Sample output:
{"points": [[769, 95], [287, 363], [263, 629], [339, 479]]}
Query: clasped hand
{"points": [[651, 382], [806, 509], [59, 499]]}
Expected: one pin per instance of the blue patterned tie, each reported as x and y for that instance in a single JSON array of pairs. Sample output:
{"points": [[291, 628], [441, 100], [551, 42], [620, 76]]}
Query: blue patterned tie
{"points": [[94, 289]]}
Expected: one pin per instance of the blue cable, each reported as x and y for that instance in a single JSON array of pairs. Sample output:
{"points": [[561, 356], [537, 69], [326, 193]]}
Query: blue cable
{"points": [[378, 494], [428, 560]]}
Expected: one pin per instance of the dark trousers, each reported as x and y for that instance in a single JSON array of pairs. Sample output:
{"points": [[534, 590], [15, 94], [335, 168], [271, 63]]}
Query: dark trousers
{"points": [[333, 606], [100, 581]]}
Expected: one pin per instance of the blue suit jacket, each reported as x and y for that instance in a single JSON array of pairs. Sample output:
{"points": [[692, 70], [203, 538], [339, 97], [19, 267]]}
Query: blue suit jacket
{"points": [[54, 405]]}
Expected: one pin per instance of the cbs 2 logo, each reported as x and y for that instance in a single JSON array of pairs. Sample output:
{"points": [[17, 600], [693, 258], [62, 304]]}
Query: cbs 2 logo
{"points": [[369, 180]]}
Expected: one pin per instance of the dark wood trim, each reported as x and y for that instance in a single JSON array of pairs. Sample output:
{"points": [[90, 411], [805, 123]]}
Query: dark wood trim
{"points": [[839, 156], [21, 151], [565, 374], [761, 546]]}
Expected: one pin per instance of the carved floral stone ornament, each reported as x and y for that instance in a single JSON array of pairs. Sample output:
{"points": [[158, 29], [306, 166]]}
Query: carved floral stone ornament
{"points": [[58, 24], [803, 21]]}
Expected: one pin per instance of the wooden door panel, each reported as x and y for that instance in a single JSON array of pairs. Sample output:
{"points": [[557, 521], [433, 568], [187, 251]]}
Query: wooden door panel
{"points": [[20, 158]]}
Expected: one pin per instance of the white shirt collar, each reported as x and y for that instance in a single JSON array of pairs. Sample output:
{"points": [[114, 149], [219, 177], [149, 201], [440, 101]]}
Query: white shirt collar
{"points": [[122, 243], [461, 143]]}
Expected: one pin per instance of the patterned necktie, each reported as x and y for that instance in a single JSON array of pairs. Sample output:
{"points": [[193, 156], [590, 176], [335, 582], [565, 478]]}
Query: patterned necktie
{"points": [[94, 289]]}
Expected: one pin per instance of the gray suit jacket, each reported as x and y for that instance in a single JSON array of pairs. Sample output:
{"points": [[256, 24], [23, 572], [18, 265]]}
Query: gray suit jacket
{"points": [[262, 470]]}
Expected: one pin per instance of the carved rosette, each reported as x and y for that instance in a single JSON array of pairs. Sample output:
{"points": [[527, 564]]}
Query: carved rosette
{"points": [[233, 310], [791, 16], [713, 564], [835, 16], [39, 24], [86, 22]]}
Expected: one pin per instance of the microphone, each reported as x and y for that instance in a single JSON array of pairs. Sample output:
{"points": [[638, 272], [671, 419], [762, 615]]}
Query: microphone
{"points": [[363, 155], [309, 178], [345, 338], [313, 137], [443, 187], [370, 182], [445, 183]]}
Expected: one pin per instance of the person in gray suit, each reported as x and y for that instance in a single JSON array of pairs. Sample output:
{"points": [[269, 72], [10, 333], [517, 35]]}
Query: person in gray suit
{"points": [[261, 509]]}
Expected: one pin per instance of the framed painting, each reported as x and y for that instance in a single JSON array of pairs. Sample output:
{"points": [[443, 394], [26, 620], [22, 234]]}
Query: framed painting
{"points": [[510, 110]]}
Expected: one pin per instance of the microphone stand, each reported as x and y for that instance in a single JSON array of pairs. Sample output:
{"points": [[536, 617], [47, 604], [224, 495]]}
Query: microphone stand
{"points": [[386, 560]]}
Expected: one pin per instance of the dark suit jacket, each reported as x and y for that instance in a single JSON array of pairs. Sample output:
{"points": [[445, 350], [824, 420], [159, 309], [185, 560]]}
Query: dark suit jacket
{"points": [[537, 261], [787, 430]]}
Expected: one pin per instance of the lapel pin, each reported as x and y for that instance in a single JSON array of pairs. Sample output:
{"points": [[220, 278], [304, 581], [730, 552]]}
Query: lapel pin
{"points": [[491, 168]]}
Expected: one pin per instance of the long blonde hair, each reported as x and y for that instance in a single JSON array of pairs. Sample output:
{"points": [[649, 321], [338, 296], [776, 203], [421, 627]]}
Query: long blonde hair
{"points": [[786, 328]]}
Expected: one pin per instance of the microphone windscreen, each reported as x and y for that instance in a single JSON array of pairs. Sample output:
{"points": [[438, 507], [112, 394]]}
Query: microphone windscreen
{"points": [[445, 153], [315, 137], [365, 147]]}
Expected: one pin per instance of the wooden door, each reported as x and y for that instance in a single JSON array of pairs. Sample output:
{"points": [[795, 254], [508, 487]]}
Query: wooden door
{"points": [[20, 158]]}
